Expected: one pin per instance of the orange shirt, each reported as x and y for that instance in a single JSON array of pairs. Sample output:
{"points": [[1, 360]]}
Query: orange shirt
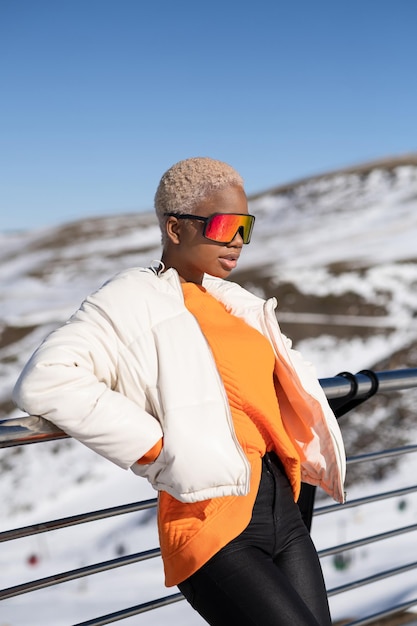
{"points": [[190, 534]]}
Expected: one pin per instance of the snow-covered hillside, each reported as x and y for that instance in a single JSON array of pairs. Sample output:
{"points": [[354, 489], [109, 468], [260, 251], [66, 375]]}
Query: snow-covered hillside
{"points": [[339, 252]]}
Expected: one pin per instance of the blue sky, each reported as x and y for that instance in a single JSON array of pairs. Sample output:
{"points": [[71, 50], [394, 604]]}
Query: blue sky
{"points": [[100, 97]]}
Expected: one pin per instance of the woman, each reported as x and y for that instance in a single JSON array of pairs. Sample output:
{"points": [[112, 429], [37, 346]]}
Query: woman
{"points": [[186, 379]]}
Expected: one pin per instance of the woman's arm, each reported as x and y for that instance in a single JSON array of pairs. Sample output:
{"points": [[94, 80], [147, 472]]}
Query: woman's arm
{"points": [[70, 380]]}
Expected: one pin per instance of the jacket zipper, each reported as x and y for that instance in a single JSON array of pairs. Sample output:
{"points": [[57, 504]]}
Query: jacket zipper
{"points": [[228, 412]]}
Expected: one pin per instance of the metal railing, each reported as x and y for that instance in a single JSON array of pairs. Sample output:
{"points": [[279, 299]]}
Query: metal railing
{"points": [[344, 392]]}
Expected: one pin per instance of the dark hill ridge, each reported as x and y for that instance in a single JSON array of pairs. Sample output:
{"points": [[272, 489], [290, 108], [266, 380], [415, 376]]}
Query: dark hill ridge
{"points": [[387, 164]]}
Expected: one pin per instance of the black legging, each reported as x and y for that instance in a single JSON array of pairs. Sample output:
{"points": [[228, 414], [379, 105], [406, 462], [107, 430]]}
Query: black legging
{"points": [[270, 574]]}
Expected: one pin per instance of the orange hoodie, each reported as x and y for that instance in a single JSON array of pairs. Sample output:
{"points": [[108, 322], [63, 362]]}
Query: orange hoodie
{"points": [[190, 534]]}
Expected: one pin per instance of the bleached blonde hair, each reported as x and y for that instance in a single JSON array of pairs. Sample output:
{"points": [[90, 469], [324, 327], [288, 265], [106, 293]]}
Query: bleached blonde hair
{"points": [[190, 181]]}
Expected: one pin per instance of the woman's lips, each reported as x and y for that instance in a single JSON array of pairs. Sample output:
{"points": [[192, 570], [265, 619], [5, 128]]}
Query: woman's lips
{"points": [[229, 261]]}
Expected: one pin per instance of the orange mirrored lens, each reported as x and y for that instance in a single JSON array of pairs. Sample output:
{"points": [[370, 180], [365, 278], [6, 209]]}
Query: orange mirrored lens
{"points": [[222, 227]]}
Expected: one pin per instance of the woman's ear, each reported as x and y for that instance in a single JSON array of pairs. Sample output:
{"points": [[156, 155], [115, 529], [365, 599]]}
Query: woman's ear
{"points": [[172, 226]]}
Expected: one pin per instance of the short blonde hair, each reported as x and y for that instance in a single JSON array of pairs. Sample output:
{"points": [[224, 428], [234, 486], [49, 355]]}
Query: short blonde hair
{"points": [[188, 182]]}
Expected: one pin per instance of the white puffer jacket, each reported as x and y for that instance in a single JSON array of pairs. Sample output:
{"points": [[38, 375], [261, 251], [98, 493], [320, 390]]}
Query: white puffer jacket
{"points": [[132, 365]]}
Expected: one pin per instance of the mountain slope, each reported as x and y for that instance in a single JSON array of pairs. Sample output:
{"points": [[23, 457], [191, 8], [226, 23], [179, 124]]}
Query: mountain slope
{"points": [[339, 253]]}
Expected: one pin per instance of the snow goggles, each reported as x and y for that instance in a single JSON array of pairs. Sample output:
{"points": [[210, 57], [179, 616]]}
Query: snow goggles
{"points": [[222, 227]]}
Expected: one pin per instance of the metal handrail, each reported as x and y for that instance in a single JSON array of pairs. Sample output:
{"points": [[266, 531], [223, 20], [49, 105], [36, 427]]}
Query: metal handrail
{"points": [[74, 520], [350, 504], [146, 554], [133, 610], [79, 572], [358, 543], [394, 610], [383, 454], [30, 429], [391, 380], [372, 579]]}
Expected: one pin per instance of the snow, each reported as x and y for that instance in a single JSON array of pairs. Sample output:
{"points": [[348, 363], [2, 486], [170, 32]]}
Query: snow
{"points": [[369, 222]]}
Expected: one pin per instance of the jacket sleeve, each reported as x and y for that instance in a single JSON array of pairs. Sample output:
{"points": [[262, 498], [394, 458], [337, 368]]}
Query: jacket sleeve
{"points": [[71, 380]]}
